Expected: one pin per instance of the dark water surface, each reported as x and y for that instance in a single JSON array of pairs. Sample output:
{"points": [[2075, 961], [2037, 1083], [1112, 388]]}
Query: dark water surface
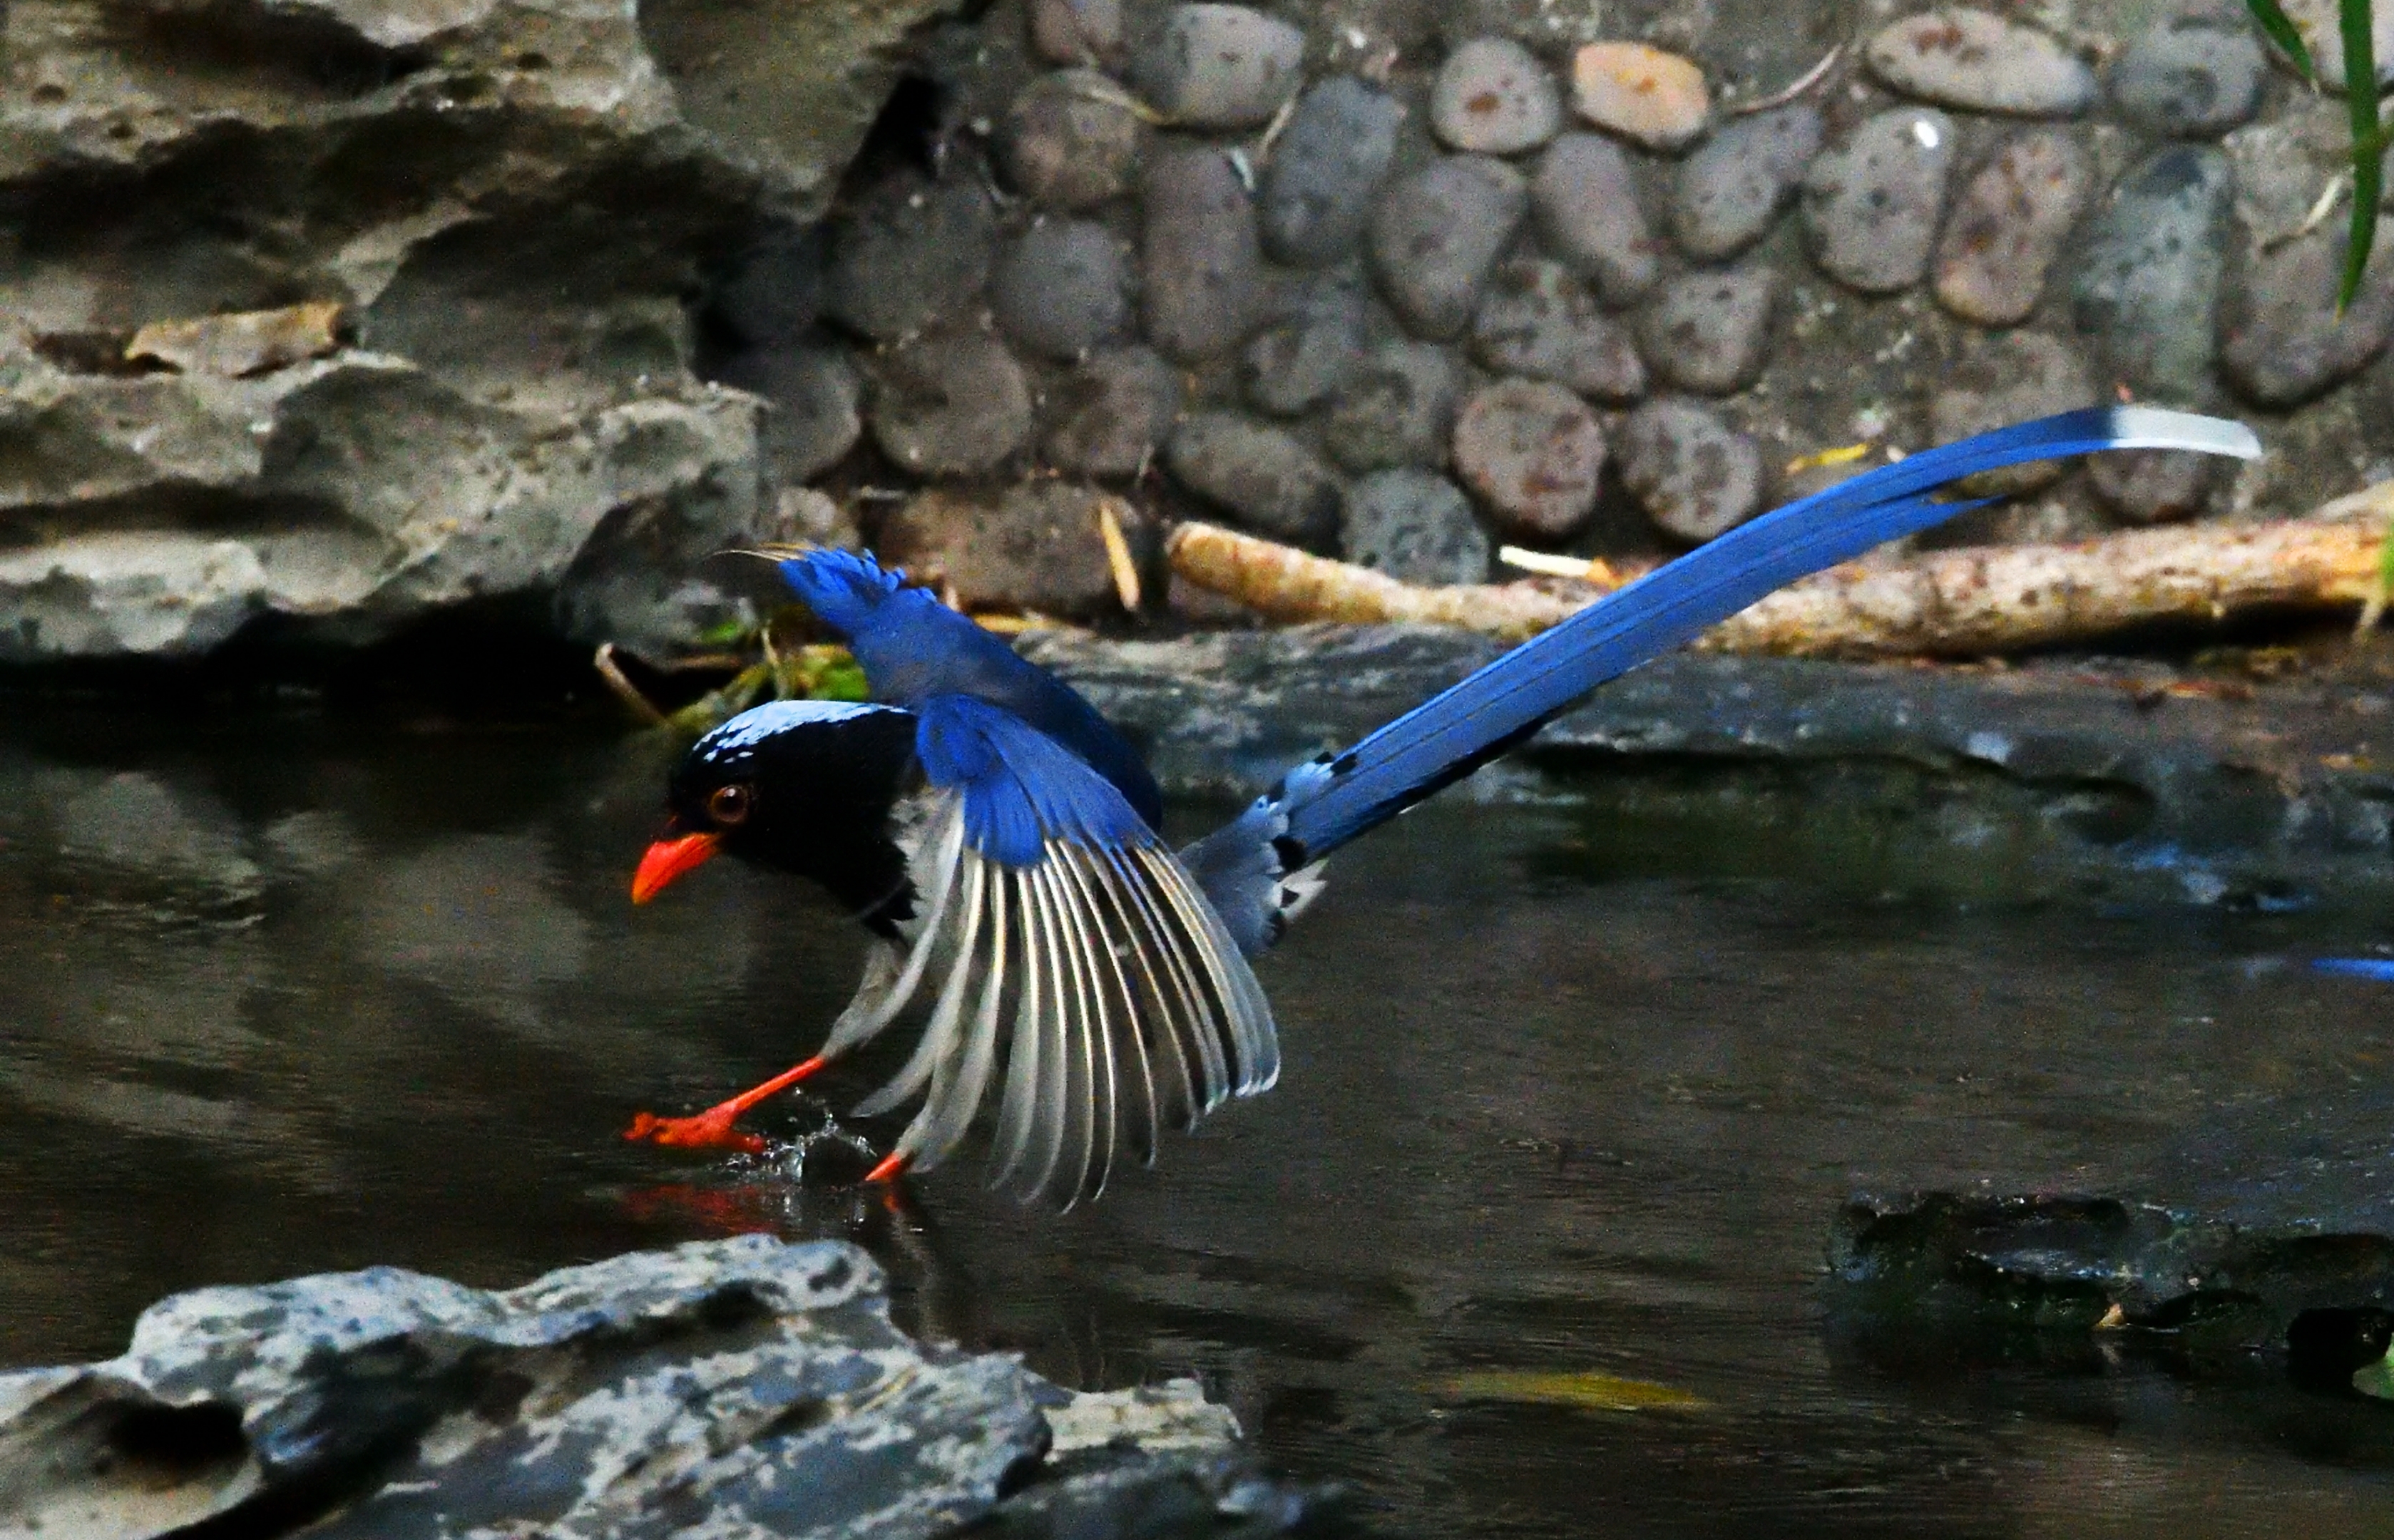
{"points": [[1567, 1089]]}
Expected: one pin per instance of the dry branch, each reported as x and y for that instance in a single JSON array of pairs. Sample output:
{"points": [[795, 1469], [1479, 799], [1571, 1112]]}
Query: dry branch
{"points": [[1968, 602]]}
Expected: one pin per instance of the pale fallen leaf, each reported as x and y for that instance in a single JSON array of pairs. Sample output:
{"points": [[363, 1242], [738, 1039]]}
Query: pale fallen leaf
{"points": [[1583, 1389]]}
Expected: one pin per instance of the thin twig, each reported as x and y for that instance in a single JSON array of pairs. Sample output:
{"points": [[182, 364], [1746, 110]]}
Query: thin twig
{"points": [[1804, 82], [626, 691]]}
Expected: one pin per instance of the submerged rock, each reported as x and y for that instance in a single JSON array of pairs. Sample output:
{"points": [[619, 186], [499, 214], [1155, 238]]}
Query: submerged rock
{"points": [[744, 1387]]}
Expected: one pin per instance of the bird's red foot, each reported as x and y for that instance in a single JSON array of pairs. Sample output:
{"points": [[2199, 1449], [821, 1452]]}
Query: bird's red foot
{"points": [[708, 1130], [712, 1128]]}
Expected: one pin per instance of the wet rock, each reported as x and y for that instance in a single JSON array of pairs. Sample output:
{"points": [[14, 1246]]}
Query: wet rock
{"points": [[2008, 226], [1871, 207], [1584, 205], [1326, 169], [1708, 332], [1267, 478], [2189, 77], [912, 251], [1395, 409], [1415, 526], [1970, 58], [1995, 1267], [2011, 377], [1731, 189], [1071, 140], [1437, 233], [2281, 340], [1034, 546], [2148, 270], [815, 397], [1642, 93], [2319, 23], [1199, 254], [1221, 66], [1694, 475], [697, 1388], [954, 404], [1077, 31], [1062, 288], [2155, 486], [1493, 98], [1539, 322], [1533, 452], [1311, 342], [1109, 416]]}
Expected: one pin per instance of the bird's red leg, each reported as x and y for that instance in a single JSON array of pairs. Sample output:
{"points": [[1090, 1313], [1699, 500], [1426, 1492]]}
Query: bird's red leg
{"points": [[712, 1128], [891, 1169]]}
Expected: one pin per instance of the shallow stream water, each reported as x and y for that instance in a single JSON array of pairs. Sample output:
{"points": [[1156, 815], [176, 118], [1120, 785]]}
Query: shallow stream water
{"points": [[1574, 1084]]}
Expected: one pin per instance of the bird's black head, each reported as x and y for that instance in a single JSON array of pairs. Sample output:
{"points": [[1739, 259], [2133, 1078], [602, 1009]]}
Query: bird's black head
{"points": [[804, 786]]}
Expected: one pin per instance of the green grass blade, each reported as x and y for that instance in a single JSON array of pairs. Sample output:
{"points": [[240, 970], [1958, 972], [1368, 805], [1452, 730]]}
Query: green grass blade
{"points": [[2282, 31], [2368, 143]]}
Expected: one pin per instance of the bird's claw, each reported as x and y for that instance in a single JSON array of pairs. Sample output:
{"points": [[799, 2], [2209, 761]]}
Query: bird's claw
{"points": [[711, 1129]]}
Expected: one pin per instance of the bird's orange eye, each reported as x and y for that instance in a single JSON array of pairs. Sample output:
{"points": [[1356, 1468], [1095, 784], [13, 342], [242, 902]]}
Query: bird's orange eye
{"points": [[729, 805]]}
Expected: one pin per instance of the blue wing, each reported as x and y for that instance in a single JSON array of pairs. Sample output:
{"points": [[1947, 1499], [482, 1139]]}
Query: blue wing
{"points": [[914, 649], [1456, 733]]}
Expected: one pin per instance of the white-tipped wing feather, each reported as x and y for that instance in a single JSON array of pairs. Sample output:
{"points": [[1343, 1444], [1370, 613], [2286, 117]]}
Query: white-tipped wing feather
{"points": [[1124, 1005]]}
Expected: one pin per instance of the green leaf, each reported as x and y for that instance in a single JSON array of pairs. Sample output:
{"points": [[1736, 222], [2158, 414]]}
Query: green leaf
{"points": [[2282, 31], [2368, 144], [2376, 1379]]}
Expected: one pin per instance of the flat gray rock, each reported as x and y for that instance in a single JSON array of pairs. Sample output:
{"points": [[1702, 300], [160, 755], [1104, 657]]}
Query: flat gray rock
{"points": [[951, 405], [910, 253], [1034, 546], [1062, 288], [1584, 201], [1538, 321], [1109, 416], [741, 1386], [1958, 55], [1492, 96], [1872, 205], [2148, 273], [1534, 454], [1694, 475], [2155, 486], [1437, 233], [1327, 169], [1312, 340], [1708, 331], [1076, 32], [1266, 478], [1199, 256], [1731, 190], [2281, 340], [1071, 140], [1394, 408], [1221, 66], [1413, 525], [2189, 76], [2008, 225]]}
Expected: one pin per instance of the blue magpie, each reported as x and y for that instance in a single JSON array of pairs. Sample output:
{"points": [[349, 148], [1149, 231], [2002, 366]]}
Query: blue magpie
{"points": [[1000, 841]]}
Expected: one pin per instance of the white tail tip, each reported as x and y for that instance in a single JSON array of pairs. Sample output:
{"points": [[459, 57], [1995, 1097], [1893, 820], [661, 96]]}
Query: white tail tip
{"points": [[2155, 428]]}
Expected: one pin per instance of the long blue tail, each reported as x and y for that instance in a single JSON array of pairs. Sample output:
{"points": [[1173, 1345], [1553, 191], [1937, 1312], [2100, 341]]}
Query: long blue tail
{"points": [[1456, 733]]}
